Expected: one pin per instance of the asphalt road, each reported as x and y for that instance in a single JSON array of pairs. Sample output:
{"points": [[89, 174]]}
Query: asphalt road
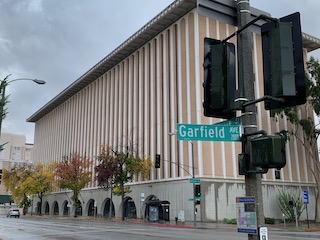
{"points": [[74, 229]]}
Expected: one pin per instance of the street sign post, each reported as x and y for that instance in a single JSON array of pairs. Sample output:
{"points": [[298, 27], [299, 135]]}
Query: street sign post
{"points": [[305, 196], [198, 132]]}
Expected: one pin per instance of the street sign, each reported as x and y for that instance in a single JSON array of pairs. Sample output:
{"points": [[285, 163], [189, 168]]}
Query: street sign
{"points": [[197, 198], [305, 197], [230, 122], [198, 132], [194, 180]]}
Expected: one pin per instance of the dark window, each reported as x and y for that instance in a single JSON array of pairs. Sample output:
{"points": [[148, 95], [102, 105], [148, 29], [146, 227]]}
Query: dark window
{"points": [[277, 174]]}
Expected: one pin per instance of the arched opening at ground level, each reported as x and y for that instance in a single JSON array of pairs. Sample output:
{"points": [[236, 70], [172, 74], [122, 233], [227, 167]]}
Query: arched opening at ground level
{"points": [[46, 208], [38, 209], [91, 208], [65, 211], [130, 210], [55, 208], [106, 208], [78, 211], [146, 206]]}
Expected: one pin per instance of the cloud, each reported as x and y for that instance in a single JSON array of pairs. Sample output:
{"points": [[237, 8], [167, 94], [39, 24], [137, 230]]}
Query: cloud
{"points": [[58, 41]]}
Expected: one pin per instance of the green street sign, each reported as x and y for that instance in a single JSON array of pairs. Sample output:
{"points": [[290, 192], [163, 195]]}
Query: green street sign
{"points": [[194, 180], [197, 198], [230, 122], [198, 132]]}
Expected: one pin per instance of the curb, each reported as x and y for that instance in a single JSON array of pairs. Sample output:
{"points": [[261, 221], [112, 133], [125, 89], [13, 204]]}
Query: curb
{"points": [[154, 224]]}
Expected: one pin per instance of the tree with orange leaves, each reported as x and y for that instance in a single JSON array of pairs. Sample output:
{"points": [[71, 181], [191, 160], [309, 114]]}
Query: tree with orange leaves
{"points": [[118, 167], [74, 174]]}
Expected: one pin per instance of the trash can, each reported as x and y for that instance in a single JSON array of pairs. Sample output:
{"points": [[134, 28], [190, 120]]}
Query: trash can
{"points": [[166, 213]]}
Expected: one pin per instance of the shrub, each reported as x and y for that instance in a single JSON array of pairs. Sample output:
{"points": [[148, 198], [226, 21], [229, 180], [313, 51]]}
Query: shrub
{"points": [[230, 221], [269, 220], [283, 199]]}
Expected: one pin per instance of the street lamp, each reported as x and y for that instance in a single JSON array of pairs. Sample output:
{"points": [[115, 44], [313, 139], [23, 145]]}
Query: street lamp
{"points": [[3, 84], [193, 180]]}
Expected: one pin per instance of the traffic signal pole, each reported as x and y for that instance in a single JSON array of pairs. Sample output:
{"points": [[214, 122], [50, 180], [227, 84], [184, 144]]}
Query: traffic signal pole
{"points": [[253, 183]]}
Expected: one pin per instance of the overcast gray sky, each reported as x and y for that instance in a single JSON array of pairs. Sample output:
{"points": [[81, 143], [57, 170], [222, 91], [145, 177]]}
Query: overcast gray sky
{"points": [[59, 40]]}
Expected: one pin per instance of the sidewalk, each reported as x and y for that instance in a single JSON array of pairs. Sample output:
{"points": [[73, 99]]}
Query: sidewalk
{"points": [[289, 227]]}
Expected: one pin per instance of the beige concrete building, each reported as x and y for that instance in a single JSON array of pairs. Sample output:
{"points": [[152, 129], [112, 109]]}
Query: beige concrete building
{"points": [[140, 91], [16, 150]]}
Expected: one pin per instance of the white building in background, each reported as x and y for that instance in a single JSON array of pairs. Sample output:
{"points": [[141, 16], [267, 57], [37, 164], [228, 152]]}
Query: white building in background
{"points": [[139, 93], [15, 150]]}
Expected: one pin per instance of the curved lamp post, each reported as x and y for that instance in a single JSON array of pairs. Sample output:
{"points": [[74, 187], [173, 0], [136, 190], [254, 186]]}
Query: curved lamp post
{"points": [[3, 84]]}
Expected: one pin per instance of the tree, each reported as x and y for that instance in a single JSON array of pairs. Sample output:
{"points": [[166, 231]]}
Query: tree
{"points": [[13, 181], [303, 121], [107, 168], [74, 174], [118, 167], [26, 179], [3, 103], [41, 181]]}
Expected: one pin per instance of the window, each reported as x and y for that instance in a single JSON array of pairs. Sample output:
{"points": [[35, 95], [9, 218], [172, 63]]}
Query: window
{"points": [[16, 153], [27, 154], [277, 174]]}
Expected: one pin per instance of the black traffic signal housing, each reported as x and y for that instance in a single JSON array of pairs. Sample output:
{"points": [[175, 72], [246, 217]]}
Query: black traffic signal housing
{"points": [[219, 79], [268, 152], [157, 161], [283, 64], [197, 191]]}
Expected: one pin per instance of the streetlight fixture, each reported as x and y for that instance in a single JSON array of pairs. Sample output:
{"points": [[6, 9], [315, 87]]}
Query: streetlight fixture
{"points": [[193, 180], [3, 84]]}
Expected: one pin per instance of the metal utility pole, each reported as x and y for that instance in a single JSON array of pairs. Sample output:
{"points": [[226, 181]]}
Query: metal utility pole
{"points": [[193, 180], [246, 90], [194, 188]]}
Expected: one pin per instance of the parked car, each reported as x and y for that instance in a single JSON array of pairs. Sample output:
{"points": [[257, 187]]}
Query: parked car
{"points": [[13, 213]]}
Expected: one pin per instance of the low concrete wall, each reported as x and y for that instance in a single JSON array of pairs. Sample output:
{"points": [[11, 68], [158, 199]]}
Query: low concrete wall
{"points": [[218, 199]]}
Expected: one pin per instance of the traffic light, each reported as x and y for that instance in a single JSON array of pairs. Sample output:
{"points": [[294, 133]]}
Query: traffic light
{"points": [[283, 65], [219, 79], [197, 191], [157, 162], [268, 152]]}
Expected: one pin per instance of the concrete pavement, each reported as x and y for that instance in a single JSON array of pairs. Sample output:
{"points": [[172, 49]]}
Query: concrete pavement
{"points": [[278, 227]]}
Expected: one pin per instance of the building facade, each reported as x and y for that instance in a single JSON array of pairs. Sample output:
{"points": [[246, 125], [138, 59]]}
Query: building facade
{"points": [[16, 150], [139, 93]]}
